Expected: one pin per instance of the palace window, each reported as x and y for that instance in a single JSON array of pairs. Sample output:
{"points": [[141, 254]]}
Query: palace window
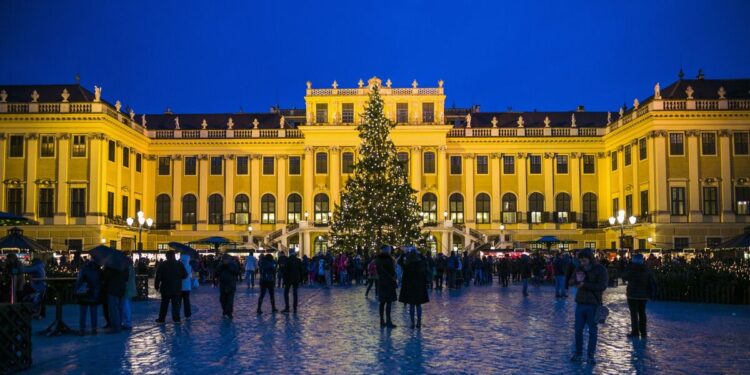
{"points": [[615, 206], [589, 218], [189, 209], [740, 143], [708, 143], [614, 160], [347, 113], [562, 164], [321, 163], [15, 201], [126, 157], [242, 165], [681, 243], [79, 146], [536, 208], [112, 149], [294, 209], [626, 155], [710, 200], [268, 166], [47, 147], [347, 162], [428, 113], [164, 166], [509, 164], [509, 208], [644, 202], [241, 209], [402, 113], [535, 164], [562, 205], [428, 164], [588, 164], [77, 202], [163, 211], [741, 200], [629, 205], [191, 168], [482, 164], [137, 205], [483, 208], [268, 209], [110, 205], [456, 208], [455, 164], [217, 165], [138, 161], [676, 144], [294, 165], [678, 200], [125, 206], [215, 209], [16, 146], [429, 208], [403, 159], [321, 113], [321, 209], [642, 149], [46, 202]]}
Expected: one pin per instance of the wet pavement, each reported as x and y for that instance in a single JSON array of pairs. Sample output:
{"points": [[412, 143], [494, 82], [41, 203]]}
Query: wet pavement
{"points": [[484, 329]]}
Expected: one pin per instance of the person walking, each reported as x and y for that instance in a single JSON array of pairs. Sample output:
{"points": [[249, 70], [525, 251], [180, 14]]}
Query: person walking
{"points": [[372, 276], [267, 268], [441, 264], [591, 281], [116, 283], [414, 287], [293, 275], [227, 273], [88, 288], [168, 281], [187, 286], [641, 286], [387, 283], [251, 265]]}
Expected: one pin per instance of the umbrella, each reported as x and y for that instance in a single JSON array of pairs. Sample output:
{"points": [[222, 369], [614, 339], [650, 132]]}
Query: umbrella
{"points": [[741, 241], [7, 218], [16, 240], [184, 249], [214, 241], [108, 257]]}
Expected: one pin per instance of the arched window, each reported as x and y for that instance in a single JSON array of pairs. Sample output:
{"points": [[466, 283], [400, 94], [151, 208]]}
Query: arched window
{"points": [[320, 209], [268, 209], [589, 218], [189, 209], [215, 209], [456, 208], [483, 208], [509, 208], [429, 208], [321, 245], [294, 209], [241, 209], [536, 207], [163, 211], [562, 206]]}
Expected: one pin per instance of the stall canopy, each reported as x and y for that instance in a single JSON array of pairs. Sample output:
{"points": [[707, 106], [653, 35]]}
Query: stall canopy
{"points": [[741, 241], [215, 241], [7, 219], [551, 240], [184, 249], [16, 240]]}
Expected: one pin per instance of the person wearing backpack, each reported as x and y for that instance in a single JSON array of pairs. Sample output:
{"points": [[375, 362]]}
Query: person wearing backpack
{"points": [[590, 281], [641, 286], [88, 289], [267, 269]]}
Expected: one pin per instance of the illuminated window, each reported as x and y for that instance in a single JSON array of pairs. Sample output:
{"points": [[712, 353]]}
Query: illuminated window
{"points": [[456, 208], [47, 146], [268, 209], [215, 209], [347, 113], [676, 144], [429, 208], [483, 208]]}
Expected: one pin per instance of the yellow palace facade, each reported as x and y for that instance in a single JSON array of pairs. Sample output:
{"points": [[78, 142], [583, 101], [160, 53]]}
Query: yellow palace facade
{"points": [[677, 160]]}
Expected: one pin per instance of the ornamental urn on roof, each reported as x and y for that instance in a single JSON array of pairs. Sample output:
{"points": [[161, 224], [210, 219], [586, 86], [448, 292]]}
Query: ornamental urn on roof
{"points": [[131, 113], [689, 91], [230, 124], [546, 121], [3, 96], [494, 121], [118, 105], [34, 96], [520, 121], [255, 123], [65, 95], [722, 93], [636, 103], [204, 124]]}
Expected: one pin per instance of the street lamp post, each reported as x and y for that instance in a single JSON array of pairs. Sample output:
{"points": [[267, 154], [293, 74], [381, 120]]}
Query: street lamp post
{"points": [[620, 220], [140, 220]]}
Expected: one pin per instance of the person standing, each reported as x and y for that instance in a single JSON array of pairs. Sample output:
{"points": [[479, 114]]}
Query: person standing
{"points": [[88, 288], [525, 269], [293, 274], [187, 286], [414, 288], [168, 281], [387, 284], [281, 265], [116, 283], [440, 266], [251, 265], [372, 276], [126, 303], [267, 268], [591, 281], [227, 273], [39, 285], [560, 268], [641, 286], [503, 270]]}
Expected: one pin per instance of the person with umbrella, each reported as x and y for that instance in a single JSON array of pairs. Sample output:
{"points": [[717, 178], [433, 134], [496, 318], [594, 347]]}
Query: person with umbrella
{"points": [[88, 288], [168, 282], [115, 276]]}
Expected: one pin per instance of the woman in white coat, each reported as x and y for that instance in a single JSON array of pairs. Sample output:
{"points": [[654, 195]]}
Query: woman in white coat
{"points": [[187, 285]]}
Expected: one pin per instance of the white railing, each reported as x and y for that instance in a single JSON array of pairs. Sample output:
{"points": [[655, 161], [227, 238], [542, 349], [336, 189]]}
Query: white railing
{"points": [[348, 91], [269, 133], [18, 108], [482, 133], [534, 132], [165, 134], [293, 133], [587, 132], [80, 107], [49, 107], [560, 132], [243, 133], [214, 133], [739, 104], [457, 132], [401, 91], [675, 105], [193, 133], [707, 104], [508, 132]]}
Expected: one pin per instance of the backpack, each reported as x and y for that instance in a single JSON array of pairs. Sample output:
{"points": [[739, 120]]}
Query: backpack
{"points": [[266, 273], [372, 269]]}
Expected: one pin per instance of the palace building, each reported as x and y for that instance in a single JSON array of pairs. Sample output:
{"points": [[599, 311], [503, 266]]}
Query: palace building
{"points": [[677, 160]]}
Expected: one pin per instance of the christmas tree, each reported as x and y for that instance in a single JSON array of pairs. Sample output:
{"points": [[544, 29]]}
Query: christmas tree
{"points": [[378, 205]]}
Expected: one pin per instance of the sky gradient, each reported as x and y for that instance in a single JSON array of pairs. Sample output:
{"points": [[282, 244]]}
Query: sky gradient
{"points": [[221, 56]]}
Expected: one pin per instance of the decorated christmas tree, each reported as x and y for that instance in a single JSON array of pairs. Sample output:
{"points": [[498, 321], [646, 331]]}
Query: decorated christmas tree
{"points": [[378, 205]]}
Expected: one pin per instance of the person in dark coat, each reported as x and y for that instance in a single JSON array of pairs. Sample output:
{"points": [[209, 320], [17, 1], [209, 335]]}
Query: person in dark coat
{"points": [[227, 272], [526, 271], [267, 268], [503, 271], [387, 284], [115, 281], [641, 286], [414, 284], [88, 289], [591, 280], [168, 282], [293, 274], [441, 264]]}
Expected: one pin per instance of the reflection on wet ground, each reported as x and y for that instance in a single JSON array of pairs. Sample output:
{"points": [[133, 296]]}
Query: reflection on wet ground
{"points": [[474, 330]]}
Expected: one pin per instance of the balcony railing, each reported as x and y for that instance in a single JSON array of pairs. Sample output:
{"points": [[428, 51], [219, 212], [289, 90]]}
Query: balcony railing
{"points": [[526, 132]]}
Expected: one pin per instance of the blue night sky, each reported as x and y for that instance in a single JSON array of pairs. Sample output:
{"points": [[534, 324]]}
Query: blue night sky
{"points": [[222, 56]]}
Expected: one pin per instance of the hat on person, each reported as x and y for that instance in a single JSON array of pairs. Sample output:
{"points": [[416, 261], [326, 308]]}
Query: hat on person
{"points": [[638, 258], [586, 253], [385, 249]]}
